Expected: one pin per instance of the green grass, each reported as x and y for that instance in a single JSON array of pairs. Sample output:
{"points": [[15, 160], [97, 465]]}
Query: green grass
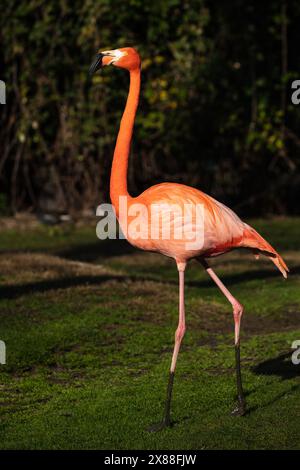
{"points": [[89, 329]]}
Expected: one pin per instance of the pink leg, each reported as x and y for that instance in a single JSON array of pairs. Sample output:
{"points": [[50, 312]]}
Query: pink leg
{"points": [[237, 314], [178, 338], [181, 323]]}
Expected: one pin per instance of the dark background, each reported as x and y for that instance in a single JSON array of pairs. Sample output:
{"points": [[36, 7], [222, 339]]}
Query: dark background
{"points": [[215, 109]]}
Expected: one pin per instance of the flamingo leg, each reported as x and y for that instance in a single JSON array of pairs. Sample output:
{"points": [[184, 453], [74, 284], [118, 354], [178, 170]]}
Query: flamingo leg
{"points": [[179, 334], [237, 315]]}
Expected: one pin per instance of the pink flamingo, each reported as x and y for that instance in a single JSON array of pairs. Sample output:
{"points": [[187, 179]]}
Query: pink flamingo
{"points": [[222, 229]]}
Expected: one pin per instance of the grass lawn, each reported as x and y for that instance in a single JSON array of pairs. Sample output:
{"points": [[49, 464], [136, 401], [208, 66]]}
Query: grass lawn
{"points": [[89, 329]]}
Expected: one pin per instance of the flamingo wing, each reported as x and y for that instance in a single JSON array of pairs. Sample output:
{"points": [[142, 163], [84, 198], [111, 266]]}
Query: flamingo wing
{"points": [[222, 229]]}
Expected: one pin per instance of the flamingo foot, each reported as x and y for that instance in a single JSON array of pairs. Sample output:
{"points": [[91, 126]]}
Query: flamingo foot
{"points": [[240, 409], [165, 423]]}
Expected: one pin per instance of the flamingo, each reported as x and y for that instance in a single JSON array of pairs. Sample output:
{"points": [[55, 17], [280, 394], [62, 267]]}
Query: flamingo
{"points": [[222, 229]]}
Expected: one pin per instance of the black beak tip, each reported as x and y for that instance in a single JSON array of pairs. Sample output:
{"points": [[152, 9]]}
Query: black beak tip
{"points": [[96, 65]]}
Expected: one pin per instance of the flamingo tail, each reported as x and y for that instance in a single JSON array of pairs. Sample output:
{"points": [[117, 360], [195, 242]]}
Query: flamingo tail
{"points": [[252, 239]]}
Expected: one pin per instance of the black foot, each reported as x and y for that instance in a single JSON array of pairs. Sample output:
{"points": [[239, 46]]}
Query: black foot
{"points": [[165, 423], [240, 409]]}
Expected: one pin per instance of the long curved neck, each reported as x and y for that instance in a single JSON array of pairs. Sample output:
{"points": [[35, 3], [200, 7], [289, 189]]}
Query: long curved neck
{"points": [[118, 179]]}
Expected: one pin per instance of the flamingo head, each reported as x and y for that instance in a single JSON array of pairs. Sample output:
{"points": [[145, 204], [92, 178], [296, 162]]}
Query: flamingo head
{"points": [[125, 58]]}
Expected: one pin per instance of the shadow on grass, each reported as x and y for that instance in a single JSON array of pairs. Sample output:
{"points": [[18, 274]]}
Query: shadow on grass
{"points": [[15, 291], [89, 252], [280, 366], [18, 290], [84, 252]]}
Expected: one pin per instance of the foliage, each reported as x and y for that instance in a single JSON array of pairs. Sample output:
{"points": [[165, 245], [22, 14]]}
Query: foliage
{"points": [[215, 108]]}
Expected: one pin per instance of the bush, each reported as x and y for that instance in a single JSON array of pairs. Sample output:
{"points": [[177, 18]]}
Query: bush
{"points": [[214, 109]]}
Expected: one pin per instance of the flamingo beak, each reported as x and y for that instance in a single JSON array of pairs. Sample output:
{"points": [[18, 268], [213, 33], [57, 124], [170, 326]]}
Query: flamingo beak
{"points": [[97, 64]]}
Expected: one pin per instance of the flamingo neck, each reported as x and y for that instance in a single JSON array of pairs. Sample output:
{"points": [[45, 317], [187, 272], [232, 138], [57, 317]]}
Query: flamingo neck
{"points": [[118, 179]]}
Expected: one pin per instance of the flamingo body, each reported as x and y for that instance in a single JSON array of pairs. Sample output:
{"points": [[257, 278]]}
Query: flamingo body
{"points": [[223, 230]]}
